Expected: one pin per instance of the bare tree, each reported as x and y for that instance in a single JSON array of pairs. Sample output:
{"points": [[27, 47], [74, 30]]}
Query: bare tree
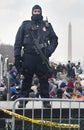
{"points": [[7, 51]]}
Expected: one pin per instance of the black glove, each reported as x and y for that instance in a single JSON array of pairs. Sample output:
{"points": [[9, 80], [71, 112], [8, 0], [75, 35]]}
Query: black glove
{"points": [[18, 63], [46, 52]]}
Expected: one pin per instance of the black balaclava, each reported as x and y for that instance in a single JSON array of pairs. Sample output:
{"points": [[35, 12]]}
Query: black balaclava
{"points": [[37, 17]]}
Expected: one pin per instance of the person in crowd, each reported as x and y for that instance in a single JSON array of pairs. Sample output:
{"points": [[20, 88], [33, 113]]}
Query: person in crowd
{"points": [[68, 93], [26, 37], [54, 65], [78, 70], [70, 70], [35, 93], [52, 87], [68, 66], [13, 81], [3, 82], [77, 84], [78, 94], [61, 90], [3, 89], [70, 83], [59, 67]]}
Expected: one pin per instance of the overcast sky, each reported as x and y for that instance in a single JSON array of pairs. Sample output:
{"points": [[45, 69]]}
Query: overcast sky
{"points": [[59, 13]]}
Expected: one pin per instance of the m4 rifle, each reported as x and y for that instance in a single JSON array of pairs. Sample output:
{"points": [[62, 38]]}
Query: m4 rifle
{"points": [[38, 49]]}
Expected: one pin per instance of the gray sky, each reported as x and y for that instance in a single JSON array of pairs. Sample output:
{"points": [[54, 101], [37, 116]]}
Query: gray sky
{"points": [[59, 13]]}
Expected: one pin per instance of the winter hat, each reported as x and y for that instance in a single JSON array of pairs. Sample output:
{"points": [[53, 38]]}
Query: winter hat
{"points": [[62, 85], [70, 84], [13, 70], [69, 89], [37, 7], [59, 91]]}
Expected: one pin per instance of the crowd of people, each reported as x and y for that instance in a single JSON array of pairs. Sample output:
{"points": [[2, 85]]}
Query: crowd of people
{"points": [[67, 82], [61, 83]]}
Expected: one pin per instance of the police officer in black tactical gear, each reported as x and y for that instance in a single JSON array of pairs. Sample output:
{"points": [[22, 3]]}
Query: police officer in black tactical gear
{"points": [[32, 62]]}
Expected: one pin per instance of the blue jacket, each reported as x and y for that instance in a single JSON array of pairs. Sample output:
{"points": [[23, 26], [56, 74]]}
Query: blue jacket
{"points": [[13, 80]]}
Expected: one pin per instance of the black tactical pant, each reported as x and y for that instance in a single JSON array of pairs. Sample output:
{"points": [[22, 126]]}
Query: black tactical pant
{"points": [[34, 65]]}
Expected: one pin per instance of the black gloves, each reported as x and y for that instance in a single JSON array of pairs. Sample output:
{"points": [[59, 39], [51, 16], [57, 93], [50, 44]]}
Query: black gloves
{"points": [[46, 52], [18, 63]]}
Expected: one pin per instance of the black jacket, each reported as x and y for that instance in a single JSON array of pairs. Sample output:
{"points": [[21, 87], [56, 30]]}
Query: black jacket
{"points": [[24, 39]]}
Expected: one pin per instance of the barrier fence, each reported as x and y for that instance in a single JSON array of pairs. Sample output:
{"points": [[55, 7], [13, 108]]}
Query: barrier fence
{"points": [[64, 114]]}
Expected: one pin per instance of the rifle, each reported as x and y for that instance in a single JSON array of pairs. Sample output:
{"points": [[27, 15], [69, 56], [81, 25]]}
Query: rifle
{"points": [[37, 48]]}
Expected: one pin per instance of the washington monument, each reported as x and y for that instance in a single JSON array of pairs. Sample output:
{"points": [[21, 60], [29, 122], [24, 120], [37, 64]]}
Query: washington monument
{"points": [[70, 42]]}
